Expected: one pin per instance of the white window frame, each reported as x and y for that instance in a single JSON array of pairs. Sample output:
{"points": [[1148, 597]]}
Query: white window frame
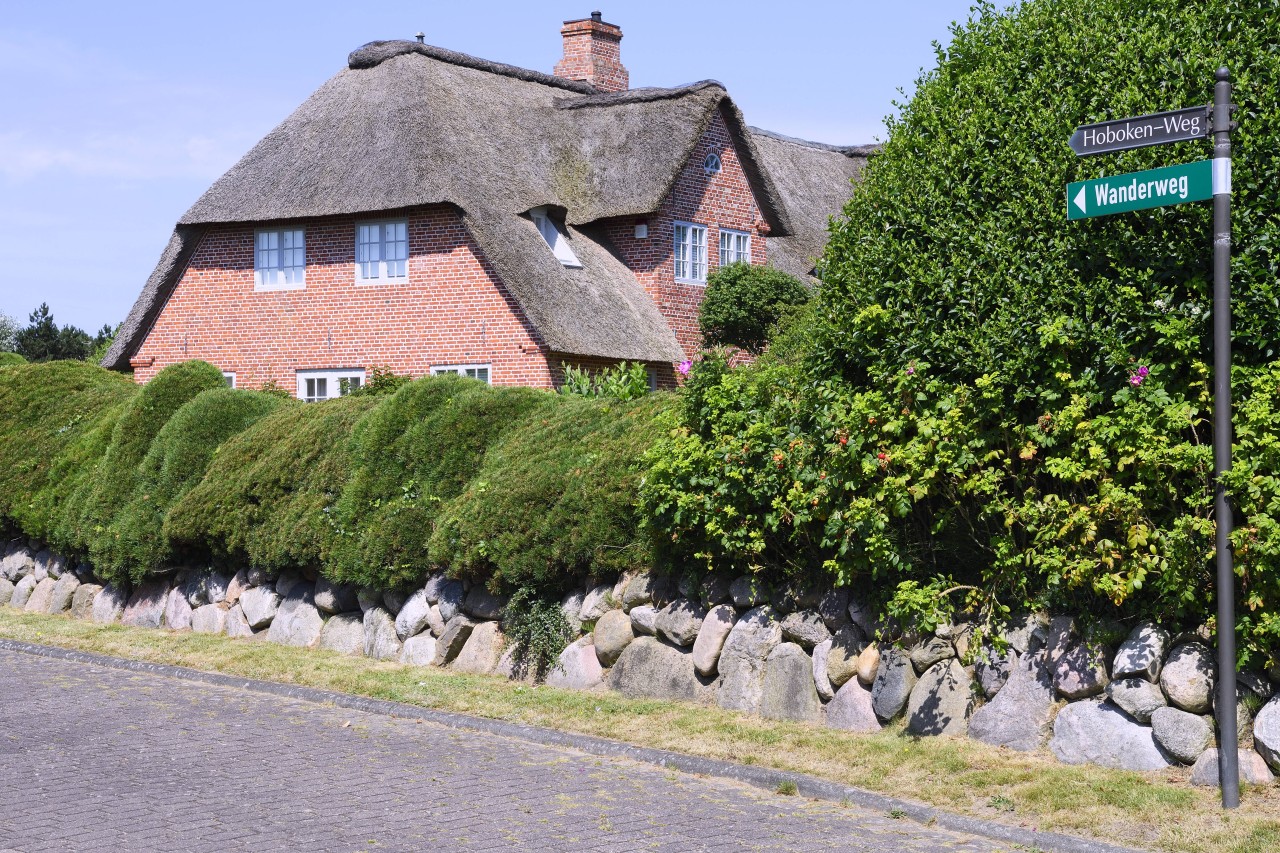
{"points": [[689, 253], [279, 276], [379, 270], [731, 253], [471, 371], [332, 383], [229, 377], [712, 164], [555, 238]]}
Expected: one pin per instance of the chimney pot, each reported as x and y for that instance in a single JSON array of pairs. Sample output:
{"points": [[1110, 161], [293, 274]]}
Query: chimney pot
{"points": [[592, 54]]}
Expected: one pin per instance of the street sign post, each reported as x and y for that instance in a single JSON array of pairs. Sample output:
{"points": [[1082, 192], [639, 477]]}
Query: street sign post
{"points": [[1176, 185], [1107, 137], [1138, 190]]}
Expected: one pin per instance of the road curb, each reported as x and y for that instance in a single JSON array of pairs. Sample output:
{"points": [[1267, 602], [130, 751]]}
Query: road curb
{"points": [[759, 777]]}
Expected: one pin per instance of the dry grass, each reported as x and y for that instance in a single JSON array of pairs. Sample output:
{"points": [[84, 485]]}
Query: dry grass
{"points": [[1154, 810]]}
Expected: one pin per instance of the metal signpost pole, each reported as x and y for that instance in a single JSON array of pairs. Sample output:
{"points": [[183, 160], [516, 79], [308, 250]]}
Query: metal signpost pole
{"points": [[1228, 747]]}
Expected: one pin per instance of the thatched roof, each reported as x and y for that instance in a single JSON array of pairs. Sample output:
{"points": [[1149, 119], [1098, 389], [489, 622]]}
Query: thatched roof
{"points": [[407, 125], [813, 181]]}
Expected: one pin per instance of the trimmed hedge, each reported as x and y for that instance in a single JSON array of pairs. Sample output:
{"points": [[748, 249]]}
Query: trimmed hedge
{"points": [[514, 487]]}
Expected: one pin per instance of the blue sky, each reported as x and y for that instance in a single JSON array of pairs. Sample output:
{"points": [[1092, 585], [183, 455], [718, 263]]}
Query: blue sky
{"points": [[118, 115]]}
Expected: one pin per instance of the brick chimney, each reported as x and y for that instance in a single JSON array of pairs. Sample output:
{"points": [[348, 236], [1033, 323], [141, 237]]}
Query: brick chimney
{"points": [[592, 54]]}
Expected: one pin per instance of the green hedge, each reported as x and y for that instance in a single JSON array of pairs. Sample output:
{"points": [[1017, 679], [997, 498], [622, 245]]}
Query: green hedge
{"points": [[993, 401], [377, 489]]}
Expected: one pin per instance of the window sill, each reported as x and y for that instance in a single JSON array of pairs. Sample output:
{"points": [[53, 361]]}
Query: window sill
{"points": [[375, 282], [268, 288], [692, 281]]}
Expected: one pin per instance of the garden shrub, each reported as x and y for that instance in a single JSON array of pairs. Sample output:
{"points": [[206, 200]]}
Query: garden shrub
{"points": [[268, 496], [996, 402], [10, 359], [537, 630], [175, 463], [625, 381], [411, 455], [745, 302], [554, 502], [52, 417], [114, 482]]}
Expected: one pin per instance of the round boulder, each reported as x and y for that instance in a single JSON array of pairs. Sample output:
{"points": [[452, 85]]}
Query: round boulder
{"points": [[1188, 676], [680, 621], [613, 633], [1183, 735]]}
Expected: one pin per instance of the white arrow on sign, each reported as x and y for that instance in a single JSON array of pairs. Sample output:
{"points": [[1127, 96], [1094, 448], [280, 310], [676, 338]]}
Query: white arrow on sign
{"points": [[1080, 200]]}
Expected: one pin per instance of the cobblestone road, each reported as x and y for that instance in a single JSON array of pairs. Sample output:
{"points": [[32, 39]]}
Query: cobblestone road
{"points": [[100, 759]]}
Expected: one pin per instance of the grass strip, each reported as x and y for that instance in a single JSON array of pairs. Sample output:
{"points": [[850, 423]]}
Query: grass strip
{"points": [[1151, 810]]}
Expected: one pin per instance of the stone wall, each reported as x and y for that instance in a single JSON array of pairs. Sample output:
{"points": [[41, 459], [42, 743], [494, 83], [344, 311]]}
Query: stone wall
{"points": [[790, 655]]}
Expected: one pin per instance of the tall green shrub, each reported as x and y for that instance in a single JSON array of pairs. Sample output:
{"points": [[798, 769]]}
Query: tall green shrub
{"points": [[554, 501], [411, 455], [744, 302], [997, 400], [175, 463]]}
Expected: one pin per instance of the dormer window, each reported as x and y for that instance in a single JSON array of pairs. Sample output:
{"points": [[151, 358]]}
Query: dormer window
{"points": [[555, 238], [711, 163]]}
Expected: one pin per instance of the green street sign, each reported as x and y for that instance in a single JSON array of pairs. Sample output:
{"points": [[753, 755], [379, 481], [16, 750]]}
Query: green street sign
{"points": [[1139, 190]]}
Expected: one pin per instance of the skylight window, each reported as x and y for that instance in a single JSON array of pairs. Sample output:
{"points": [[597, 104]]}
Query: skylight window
{"points": [[555, 238]]}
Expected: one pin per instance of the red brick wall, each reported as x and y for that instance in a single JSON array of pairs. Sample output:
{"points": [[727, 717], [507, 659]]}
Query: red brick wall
{"points": [[717, 200], [452, 310]]}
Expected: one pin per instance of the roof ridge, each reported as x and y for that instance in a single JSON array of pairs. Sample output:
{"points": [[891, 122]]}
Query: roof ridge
{"points": [[375, 53], [637, 96], [846, 150]]}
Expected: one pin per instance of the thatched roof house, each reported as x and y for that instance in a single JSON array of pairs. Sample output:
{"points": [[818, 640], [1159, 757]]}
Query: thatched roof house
{"points": [[414, 131]]}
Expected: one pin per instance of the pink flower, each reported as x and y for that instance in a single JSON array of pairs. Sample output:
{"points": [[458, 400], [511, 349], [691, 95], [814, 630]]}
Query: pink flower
{"points": [[684, 367], [1137, 378], [910, 371]]}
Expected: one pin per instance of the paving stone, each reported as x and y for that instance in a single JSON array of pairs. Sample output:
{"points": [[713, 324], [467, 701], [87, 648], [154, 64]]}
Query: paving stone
{"points": [[344, 780]]}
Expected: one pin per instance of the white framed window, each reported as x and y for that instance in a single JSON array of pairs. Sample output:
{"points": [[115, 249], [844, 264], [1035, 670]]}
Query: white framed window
{"points": [[317, 385], [691, 252], [279, 259], [471, 371], [382, 251], [735, 246], [229, 378], [711, 163], [555, 238]]}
